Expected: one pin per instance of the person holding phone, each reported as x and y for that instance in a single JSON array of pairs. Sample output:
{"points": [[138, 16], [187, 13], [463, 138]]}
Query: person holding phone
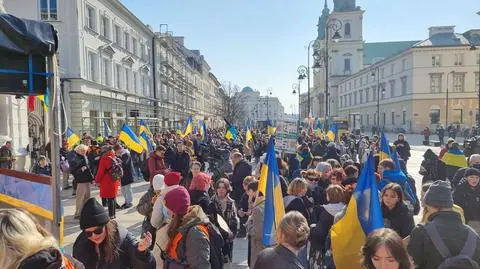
{"points": [[104, 244]]}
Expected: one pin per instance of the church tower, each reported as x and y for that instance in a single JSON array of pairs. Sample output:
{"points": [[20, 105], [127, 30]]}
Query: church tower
{"points": [[345, 56]]}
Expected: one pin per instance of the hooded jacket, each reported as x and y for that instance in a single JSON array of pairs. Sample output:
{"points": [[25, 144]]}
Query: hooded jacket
{"points": [[196, 248], [76, 163], [398, 219], [326, 214], [278, 257], [108, 186], [48, 259], [129, 257], [432, 168], [127, 166], [468, 198], [156, 165]]}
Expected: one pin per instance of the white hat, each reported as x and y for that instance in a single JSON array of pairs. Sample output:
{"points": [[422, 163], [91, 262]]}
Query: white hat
{"points": [[158, 182]]}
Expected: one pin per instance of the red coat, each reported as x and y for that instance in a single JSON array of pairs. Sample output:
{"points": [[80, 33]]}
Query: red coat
{"points": [[156, 165], [108, 187]]}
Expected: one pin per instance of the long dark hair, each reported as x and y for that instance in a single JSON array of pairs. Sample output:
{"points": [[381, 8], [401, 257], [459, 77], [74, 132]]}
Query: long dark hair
{"points": [[395, 188], [389, 239], [109, 247]]}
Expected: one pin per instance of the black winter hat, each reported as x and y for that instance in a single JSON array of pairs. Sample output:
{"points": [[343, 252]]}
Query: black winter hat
{"points": [[472, 172], [93, 214], [439, 195]]}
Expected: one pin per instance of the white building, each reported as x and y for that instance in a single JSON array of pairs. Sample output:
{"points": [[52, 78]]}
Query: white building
{"points": [[413, 76], [259, 108]]}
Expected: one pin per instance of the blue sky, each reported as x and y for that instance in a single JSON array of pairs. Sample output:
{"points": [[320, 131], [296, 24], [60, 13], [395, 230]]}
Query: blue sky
{"points": [[260, 43]]}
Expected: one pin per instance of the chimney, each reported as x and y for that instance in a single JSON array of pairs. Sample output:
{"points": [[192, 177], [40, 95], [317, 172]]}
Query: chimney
{"points": [[435, 30]]}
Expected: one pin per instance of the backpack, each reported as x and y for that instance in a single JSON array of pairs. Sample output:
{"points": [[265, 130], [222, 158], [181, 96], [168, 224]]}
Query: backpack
{"points": [[463, 260], [116, 172]]}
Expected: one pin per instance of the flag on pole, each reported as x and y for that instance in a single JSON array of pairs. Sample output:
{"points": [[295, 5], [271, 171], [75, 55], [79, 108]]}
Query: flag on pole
{"points": [[270, 128], [363, 215], [333, 133], [203, 131], [270, 184], [319, 129], [72, 138], [45, 99], [231, 133], [189, 127], [106, 129], [144, 128], [128, 137], [384, 148], [248, 135], [145, 141]]}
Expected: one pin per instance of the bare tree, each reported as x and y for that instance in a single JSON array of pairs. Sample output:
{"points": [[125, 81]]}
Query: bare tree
{"points": [[232, 103]]}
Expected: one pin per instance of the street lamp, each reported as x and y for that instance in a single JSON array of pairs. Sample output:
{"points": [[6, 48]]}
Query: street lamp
{"points": [[331, 25], [376, 73], [296, 87], [474, 48], [304, 71]]}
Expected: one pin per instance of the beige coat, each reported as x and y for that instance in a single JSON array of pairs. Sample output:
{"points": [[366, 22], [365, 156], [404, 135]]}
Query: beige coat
{"points": [[255, 230]]}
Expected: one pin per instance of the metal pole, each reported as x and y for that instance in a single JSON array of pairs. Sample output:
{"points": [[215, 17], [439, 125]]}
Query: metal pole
{"points": [[446, 105], [478, 119], [55, 132], [299, 105], [378, 100], [308, 79], [327, 37]]}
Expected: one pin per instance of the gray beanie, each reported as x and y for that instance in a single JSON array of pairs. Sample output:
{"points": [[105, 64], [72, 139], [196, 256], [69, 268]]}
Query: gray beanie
{"points": [[439, 195], [323, 167]]}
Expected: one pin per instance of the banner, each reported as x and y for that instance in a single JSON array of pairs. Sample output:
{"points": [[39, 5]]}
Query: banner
{"points": [[286, 137]]}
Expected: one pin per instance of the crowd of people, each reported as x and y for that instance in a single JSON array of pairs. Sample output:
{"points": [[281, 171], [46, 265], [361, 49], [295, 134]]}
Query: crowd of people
{"points": [[203, 193]]}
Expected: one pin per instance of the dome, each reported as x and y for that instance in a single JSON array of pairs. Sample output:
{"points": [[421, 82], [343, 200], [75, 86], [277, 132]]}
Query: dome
{"points": [[247, 90]]}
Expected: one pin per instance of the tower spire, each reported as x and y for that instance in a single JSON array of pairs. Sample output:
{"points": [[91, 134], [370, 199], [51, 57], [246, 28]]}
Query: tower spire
{"points": [[325, 6]]}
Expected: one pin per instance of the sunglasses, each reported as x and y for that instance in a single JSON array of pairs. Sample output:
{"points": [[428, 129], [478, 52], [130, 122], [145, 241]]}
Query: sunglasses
{"points": [[97, 231]]}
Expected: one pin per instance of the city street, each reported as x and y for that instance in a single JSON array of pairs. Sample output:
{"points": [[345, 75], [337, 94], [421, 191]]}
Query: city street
{"points": [[133, 221]]}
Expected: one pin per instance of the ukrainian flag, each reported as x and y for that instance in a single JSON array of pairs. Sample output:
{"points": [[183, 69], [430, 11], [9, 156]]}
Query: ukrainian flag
{"points": [[72, 138], [318, 130], [455, 157], [128, 137], [231, 133], [248, 134], [45, 99], [270, 128], [203, 131], [363, 215], [333, 133], [384, 150], [144, 128], [145, 141], [269, 185], [188, 127]]}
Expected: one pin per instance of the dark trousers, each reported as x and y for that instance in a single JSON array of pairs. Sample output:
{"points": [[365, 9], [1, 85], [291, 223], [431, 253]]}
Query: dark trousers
{"points": [[110, 203]]}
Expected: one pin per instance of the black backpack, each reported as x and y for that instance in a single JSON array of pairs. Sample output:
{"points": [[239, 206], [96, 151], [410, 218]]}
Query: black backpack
{"points": [[463, 260]]}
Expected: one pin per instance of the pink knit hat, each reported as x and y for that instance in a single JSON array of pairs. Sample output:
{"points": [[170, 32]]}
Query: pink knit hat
{"points": [[201, 182], [178, 200]]}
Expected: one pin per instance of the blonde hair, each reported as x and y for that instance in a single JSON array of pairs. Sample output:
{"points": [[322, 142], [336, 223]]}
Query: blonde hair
{"points": [[81, 147], [294, 228], [296, 186], [21, 237]]}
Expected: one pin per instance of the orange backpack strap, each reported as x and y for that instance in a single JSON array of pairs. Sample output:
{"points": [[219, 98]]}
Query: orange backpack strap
{"points": [[204, 229], [173, 245], [68, 264]]}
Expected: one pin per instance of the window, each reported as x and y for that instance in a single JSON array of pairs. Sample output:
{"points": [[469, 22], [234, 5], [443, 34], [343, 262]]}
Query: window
{"points": [[355, 97], [392, 69], [436, 61], [404, 64], [118, 35], [341, 101], [105, 27], [347, 30], [350, 99], [134, 46], [375, 94], [135, 81], [90, 17], [107, 116], [126, 39], [361, 81], [128, 82], [368, 119], [404, 85], [384, 118], [142, 50], [92, 66], [367, 95], [477, 82], [118, 76], [478, 58], [93, 122], [458, 116], [107, 72], [459, 82], [392, 88], [361, 96], [404, 117], [435, 83], [393, 118], [434, 116], [382, 72], [355, 83], [346, 64], [382, 89], [458, 59], [48, 10]]}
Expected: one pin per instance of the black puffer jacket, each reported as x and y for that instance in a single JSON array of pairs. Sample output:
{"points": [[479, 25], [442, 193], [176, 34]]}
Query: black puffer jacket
{"points": [[453, 233], [129, 257], [76, 164], [326, 216], [202, 199], [468, 198], [432, 168], [398, 219], [48, 259]]}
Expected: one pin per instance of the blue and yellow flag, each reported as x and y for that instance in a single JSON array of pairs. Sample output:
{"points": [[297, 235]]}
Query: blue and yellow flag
{"points": [[144, 128], [45, 99], [319, 130], [72, 138], [455, 157], [189, 127], [333, 133], [128, 137], [270, 128], [384, 148], [145, 141], [106, 128], [248, 134], [363, 215], [203, 131], [231, 133], [269, 185]]}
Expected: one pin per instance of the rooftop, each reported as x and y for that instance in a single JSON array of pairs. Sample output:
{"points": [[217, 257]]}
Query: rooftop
{"points": [[376, 51]]}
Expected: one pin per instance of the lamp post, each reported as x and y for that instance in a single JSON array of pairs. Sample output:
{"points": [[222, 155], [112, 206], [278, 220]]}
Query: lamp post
{"points": [[296, 87], [474, 48], [376, 73], [446, 101], [331, 25], [269, 92]]}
